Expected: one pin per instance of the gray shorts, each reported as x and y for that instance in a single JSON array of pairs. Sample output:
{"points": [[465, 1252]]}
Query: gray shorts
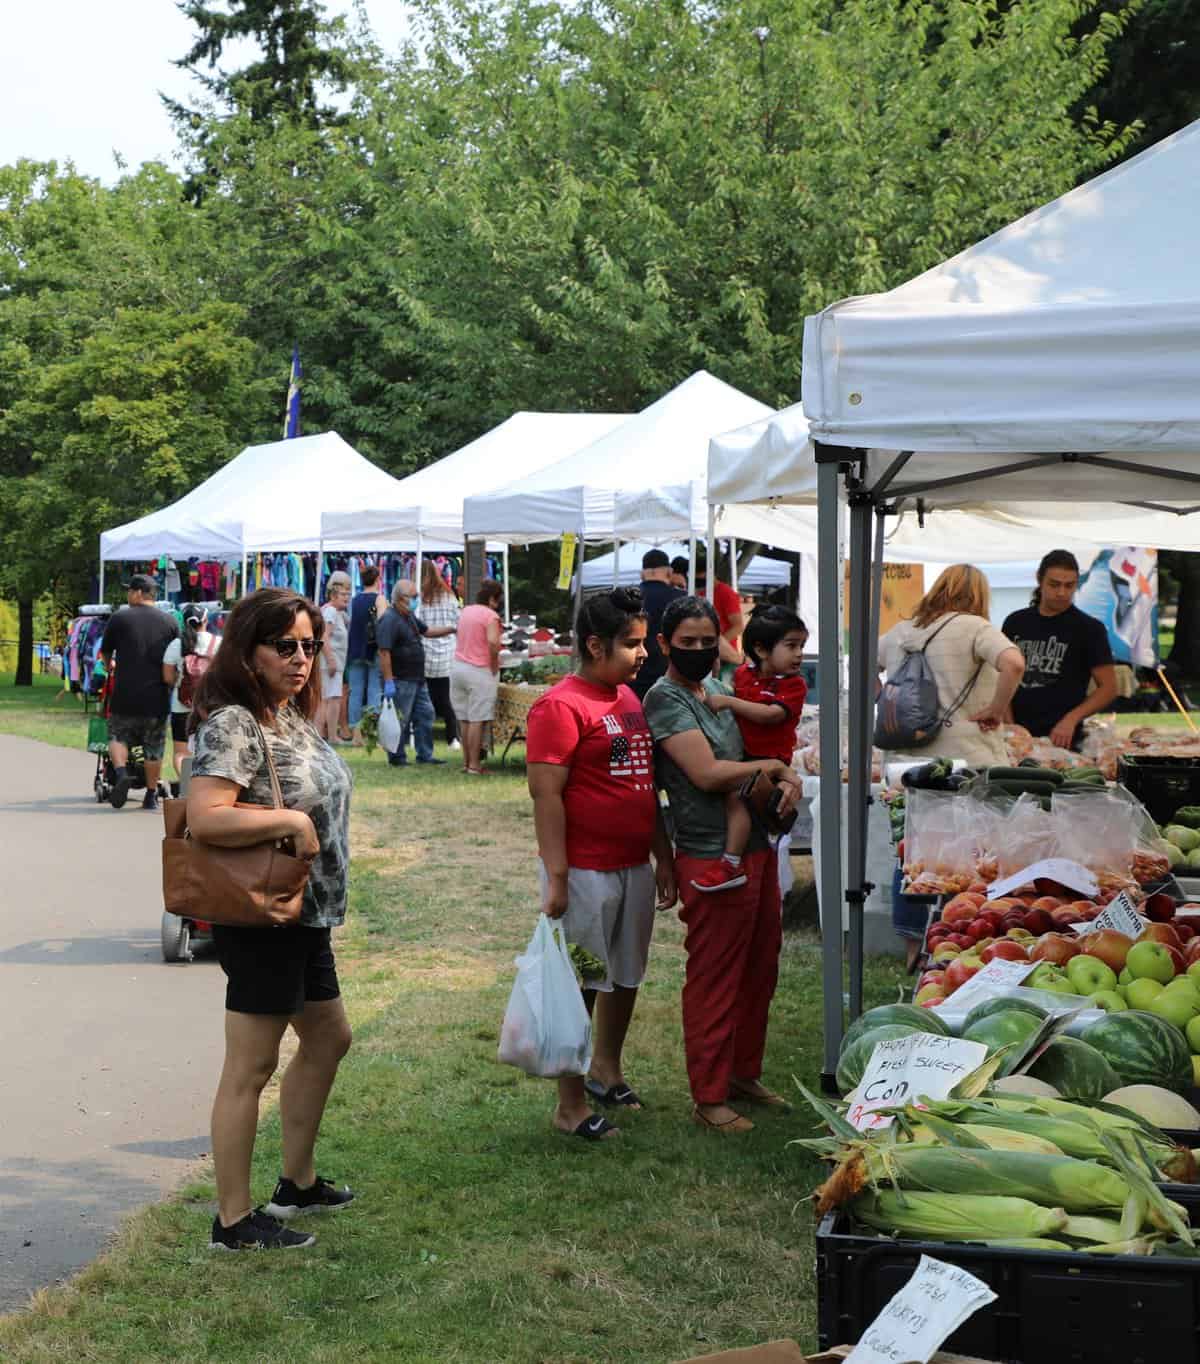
{"points": [[611, 915]]}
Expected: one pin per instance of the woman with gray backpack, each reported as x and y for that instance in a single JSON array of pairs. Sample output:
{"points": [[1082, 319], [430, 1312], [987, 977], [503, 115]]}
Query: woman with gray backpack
{"points": [[950, 680]]}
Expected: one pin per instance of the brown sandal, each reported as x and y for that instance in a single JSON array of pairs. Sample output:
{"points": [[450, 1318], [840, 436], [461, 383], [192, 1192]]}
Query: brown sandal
{"points": [[734, 1124], [767, 1098]]}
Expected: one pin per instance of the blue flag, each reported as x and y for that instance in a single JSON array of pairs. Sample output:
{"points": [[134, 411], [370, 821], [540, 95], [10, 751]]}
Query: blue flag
{"points": [[291, 418]]}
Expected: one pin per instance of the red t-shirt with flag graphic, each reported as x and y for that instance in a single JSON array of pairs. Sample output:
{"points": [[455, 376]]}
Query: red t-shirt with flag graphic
{"points": [[601, 734]]}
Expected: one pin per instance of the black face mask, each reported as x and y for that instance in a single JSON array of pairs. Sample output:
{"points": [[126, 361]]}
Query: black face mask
{"points": [[694, 664]]}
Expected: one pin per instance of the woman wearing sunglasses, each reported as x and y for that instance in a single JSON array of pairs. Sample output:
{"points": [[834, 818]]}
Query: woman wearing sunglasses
{"points": [[263, 689]]}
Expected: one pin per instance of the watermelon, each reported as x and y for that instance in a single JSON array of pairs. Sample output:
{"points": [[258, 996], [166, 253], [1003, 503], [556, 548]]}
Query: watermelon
{"points": [[1000, 1029], [1076, 1070], [1143, 1049], [856, 1057], [1001, 1004], [911, 1015]]}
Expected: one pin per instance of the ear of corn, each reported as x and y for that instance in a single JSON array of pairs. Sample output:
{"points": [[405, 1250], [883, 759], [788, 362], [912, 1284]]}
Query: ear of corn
{"points": [[1072, 1138], [1100, 1230], [957, 1217], [994, 1138]]}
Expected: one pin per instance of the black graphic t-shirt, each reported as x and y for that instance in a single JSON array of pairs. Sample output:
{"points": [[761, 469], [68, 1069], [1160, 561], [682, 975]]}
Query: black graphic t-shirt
{"points": [[1060, 653]]}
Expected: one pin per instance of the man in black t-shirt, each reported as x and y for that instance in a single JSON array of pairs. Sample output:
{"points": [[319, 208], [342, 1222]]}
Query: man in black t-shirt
{"points": [[398, 634], [141, 700], [657, 592], [1065, 651]]}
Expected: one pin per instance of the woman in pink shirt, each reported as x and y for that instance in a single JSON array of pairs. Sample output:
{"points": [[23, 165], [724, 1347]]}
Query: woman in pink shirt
{"points": [[476, 672]]}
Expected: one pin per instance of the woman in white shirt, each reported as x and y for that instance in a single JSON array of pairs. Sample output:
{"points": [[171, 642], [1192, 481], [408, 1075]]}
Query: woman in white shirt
{"points": [[977, 668], [333, 656], [183, 677]]}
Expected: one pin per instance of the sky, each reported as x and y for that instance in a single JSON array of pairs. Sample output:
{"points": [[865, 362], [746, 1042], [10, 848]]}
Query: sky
{"points": [[80, 78]]}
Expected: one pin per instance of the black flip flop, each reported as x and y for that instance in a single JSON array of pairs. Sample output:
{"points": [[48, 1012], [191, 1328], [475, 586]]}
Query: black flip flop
{"points": [[616, 1096], [595, 1128]]}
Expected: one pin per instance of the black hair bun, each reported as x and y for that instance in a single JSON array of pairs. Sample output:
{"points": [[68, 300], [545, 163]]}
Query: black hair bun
{"points": [[627, 599]]}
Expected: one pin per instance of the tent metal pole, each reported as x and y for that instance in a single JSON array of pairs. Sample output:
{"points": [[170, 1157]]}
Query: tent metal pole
{"points": [[830, 794], [876, 591], [101, 601], [733, 567], [245, 571], [858, 774], [420, 556], [507, 600], [320, 565], [691, 566], [616, 563], [711, 548]]}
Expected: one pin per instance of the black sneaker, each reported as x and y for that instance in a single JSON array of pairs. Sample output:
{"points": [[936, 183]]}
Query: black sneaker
{"points": [[289, 1200], [257, 1231], [120, 791], [150, 800]]}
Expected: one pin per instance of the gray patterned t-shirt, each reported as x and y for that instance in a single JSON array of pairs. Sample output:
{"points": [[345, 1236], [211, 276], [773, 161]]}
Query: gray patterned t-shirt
{"points": [[312, 778]]}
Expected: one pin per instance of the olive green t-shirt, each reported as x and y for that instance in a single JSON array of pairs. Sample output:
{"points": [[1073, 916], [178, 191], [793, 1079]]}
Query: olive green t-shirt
{"points": [[697, 817]]}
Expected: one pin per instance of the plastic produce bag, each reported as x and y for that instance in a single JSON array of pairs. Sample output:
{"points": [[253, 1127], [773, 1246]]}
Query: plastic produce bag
{"points": [[390, 732], [546, 1029]]}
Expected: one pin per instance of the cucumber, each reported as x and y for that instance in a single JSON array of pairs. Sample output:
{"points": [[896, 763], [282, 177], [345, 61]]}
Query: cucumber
{"points": [[1023, 788], [1046, 774]]}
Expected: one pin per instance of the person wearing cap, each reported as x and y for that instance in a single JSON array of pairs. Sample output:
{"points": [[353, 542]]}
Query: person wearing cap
{"points": [[658, 591], [140, 701]]}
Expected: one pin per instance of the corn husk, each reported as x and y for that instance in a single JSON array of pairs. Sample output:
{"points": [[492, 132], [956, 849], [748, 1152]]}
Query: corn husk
{"points": [[1072, 1138], [994, 1138], [1099, 1230], [957, 1217]]}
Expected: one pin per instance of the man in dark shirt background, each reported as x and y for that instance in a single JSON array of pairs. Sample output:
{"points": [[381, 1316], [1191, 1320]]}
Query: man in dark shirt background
{"points": [[657, 592], [141, 700], [1065, 650], [398, 634]]}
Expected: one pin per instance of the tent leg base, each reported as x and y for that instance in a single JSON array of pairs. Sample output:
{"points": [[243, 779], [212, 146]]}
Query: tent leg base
{"points": [[829, 1085]]}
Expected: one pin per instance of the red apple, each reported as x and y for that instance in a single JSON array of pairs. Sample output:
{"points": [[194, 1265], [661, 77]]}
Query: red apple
{"points": [[1065, 916], [978, 888], [1006, 949], [930, 995], [1192, 951], [1037, 921], [959, 972], [1054, 947], [933, 977], [1047, 902], [1161, 933], [959, 911], [1178, 960], [1094, 912], [1159, 908], [1109, 946], [980, 929], [962, 940], [1185, 932], [932, 1002]]}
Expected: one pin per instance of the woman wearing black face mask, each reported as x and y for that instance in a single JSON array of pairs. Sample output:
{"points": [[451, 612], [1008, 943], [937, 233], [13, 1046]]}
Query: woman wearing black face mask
{"points": [[733, 939]]}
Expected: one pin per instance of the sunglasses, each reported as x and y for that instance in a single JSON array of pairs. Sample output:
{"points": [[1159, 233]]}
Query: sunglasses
{"points": [[286, 648]]}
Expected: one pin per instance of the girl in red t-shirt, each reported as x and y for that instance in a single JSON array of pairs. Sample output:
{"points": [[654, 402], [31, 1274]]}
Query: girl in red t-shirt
{"points": [[590, 760], [767, 701]]}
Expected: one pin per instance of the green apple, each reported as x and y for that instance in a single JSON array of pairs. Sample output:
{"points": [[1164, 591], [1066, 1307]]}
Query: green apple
{"points": [[1193, 972], [1141, 993], [1125, 977], [1089, 974], [1176, 1006], [1150, 960], [1050, 977], [1185, 985], [1193, 1033], [1108, 1000]]}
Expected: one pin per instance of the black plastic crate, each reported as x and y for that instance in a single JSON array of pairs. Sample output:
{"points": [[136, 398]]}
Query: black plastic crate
{"points": [[1052, 1307], [1161, 784]]}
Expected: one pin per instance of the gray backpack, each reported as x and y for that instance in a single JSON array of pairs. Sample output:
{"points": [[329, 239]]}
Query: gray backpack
{"points": [[907, 714]]}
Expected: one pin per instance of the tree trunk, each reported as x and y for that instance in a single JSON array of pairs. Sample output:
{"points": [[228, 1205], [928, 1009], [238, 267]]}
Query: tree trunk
{"points": [[1185, 653], [24, 677]]}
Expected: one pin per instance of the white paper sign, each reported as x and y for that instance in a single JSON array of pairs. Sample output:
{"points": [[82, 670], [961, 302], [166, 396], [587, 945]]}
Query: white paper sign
{"points": [[930, 1307], [992, 979], [904, 1068], [1120, 914], [1058, 869]]}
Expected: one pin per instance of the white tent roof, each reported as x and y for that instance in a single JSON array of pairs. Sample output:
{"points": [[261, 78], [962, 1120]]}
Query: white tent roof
{"points": [[1075, 330], [269, 497], [598, 572], [430, 502], [646, 479]]}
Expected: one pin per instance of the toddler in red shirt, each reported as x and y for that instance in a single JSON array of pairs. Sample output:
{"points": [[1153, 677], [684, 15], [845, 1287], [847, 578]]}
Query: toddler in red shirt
{"points": [[767, 701]]}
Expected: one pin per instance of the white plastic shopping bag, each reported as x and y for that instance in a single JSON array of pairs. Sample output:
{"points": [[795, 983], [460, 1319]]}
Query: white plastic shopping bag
{"points": [[546, 1028], [389, 726]]}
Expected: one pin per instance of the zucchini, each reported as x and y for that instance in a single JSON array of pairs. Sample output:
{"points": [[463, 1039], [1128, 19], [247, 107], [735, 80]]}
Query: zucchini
{"points": [[1188, 815], [1043, 774], [1011, 787]]}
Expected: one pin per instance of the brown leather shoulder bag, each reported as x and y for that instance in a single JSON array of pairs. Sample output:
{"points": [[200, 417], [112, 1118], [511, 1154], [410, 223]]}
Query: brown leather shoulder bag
{"points": [[259, 886]]}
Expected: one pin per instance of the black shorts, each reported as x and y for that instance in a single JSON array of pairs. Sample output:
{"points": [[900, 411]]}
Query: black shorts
{"points": [[179, 719], [275, 970], [147, 732]]}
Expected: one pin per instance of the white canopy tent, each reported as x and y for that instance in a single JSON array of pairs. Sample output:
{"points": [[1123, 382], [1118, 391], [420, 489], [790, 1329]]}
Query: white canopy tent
{"points": [[269, 497], [601, 571], [1053, 363]]}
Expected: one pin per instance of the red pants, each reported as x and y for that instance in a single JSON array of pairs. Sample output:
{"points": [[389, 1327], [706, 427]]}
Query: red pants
{"points": [[733, 940]]}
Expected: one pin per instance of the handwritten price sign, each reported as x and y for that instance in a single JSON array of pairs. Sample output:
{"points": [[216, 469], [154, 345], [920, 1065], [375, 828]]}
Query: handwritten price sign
{"points": [[902, 1070], [929, 1308]]}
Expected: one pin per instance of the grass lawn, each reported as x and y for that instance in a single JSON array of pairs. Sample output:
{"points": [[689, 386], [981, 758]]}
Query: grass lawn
{"points": [[480, 1233]]}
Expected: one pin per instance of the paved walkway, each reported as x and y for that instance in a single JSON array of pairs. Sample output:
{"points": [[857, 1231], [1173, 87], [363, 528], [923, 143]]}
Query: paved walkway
{"points": [[110, 1055]]}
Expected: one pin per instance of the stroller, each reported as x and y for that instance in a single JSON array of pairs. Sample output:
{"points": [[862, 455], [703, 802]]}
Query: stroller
{"points": [[106, 775], [181, 936]]}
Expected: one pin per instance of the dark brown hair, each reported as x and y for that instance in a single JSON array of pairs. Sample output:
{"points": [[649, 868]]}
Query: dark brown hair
{"points": [[370, 576], [488, 592], [230, 679]]}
